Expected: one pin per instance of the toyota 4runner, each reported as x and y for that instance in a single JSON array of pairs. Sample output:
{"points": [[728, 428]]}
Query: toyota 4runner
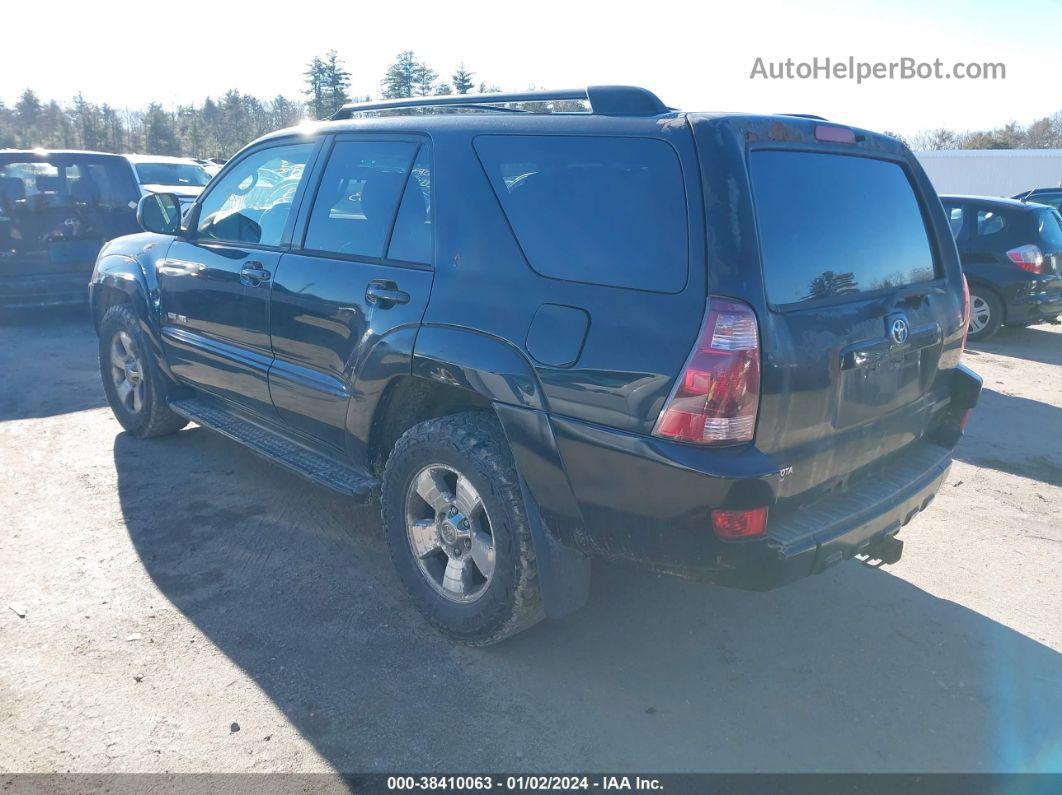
{"points": [[549, 326]]}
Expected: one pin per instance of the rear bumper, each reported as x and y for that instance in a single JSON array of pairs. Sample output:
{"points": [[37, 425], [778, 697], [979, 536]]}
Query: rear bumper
{"points": [[1035, 301], [838, 528], [650, 501], [48, 289]]}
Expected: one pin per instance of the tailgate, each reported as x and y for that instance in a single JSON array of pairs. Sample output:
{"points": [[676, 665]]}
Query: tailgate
{"points": [[863, 320]]}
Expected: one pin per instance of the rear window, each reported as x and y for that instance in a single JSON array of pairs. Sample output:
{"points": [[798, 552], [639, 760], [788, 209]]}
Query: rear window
{"points": [[1050, 223], [834, 225], [88, 181], [608, 211]]}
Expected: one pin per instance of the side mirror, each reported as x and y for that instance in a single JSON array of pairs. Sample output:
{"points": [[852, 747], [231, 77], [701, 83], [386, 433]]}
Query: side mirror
{"points": [[159, 212]]}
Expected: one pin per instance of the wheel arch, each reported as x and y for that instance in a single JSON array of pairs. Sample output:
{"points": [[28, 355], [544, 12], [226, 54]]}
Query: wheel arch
{"points": [[983, 284]]}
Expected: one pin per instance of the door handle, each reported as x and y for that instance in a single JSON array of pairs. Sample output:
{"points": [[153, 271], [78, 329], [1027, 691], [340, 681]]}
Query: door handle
{"points": [[385, 294], [254, 272]]}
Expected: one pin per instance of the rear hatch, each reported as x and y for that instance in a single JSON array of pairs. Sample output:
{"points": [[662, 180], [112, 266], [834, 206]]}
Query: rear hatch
{"points": [[859, 296], [1049, 230], [57, 210]]}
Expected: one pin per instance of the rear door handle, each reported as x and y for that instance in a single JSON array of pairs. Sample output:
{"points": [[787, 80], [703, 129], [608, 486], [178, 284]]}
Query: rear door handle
{"points": [[385, 294], [254, 272]]}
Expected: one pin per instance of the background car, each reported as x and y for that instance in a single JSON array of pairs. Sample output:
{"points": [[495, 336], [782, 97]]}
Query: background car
{"points": [[181, 176], [57, 208], [1011, 253], [1050, 196]]}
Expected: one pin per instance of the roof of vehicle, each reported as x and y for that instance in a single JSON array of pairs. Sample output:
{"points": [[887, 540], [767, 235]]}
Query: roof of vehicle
{"points": [[608, 110], [997, 201], [63, 152], [160, 159]]}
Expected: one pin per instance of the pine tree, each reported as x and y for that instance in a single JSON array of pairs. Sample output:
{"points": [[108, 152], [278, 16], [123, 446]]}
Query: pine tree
{"points": [[315, 87], [401, 76], [408, 77], [336, 82], [28, 112], [462, 80]]}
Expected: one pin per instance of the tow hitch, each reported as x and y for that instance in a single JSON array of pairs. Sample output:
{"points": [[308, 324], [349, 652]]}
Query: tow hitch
{"points": [[886, 552]]}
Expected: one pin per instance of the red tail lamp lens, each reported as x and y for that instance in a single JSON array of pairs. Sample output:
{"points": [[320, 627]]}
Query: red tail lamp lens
{"points": [[717, 395], [739, 524]]}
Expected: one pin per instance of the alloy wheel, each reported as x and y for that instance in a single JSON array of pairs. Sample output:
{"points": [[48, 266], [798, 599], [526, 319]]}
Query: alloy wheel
{"points": [[127, 372], [450, 533]]}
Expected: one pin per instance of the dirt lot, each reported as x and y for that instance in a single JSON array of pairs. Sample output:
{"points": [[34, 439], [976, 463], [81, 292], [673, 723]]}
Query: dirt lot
{"points": [[190, 608]]}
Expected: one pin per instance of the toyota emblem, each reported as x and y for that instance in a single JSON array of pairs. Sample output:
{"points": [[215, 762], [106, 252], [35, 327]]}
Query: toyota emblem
{"points": [[899, 331]]}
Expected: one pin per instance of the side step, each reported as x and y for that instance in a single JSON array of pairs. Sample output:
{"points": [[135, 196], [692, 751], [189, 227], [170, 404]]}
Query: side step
{"points": [[271, 445]]}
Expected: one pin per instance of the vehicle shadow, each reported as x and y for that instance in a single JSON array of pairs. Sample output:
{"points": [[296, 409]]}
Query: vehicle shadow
{"points": [[1026, 444], [49, 363], [1035, 344], [854, 670]]}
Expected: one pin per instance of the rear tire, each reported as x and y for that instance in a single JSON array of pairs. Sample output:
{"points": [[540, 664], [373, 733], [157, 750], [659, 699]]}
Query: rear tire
{"points": [[136, 389], [462, 463], [986, 314]]}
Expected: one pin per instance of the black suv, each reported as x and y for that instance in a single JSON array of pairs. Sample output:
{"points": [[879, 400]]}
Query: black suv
{"points": [[1011, 253], [724, 346], [57, 208]]}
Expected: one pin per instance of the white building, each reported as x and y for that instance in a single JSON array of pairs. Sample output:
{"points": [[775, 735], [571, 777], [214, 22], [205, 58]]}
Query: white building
{"points": [[992, 172]]}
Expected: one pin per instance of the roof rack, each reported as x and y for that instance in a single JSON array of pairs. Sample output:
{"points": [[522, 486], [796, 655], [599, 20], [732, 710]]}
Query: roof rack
{"points": [[604, 101]]}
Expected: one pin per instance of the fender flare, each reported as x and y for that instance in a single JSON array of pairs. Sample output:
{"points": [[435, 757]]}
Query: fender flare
{"points": [[500, 373], [126, 274]]}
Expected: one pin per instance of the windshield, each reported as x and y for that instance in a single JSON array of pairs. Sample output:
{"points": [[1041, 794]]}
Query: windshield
{"points": [[187, 175]]}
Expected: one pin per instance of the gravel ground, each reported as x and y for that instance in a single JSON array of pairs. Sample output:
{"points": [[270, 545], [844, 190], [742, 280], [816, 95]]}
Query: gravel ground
{"points": [[188, 607]]}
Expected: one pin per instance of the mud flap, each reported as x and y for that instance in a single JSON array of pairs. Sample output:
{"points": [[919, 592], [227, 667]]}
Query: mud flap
{"points": [[563, 572]]}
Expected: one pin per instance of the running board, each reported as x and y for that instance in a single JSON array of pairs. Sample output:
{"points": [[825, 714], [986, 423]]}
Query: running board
{"points": [[331, 474]]}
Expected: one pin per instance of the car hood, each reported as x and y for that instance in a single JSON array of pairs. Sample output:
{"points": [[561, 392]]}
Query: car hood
{"points": [[180, 191]]}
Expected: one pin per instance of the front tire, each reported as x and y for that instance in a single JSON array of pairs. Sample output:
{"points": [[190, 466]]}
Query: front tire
{"points": [[135, 388], [986, 314], [458, 531]]}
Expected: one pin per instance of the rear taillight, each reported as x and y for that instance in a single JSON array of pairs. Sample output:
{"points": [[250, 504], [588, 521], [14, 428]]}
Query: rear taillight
{"points": [[718, 392], [1028, 258], [965, 311], [739, 524]]}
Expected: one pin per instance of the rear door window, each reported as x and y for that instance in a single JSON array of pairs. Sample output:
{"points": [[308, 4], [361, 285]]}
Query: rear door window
{"points": [[600, 210], [835, 225], [358, 197]]}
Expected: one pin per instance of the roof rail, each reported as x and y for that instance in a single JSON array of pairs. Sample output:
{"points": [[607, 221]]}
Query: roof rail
{"points": [[805, 116], [604, 101]]}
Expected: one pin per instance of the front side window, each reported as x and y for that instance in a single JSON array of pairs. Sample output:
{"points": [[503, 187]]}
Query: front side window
{"points": [[358, 197], [599, 210], [252, 201], [834, 225], [955, 219]]}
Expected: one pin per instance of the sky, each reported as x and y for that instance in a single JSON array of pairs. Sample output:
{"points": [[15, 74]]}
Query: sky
{"points": [[695, 55]]}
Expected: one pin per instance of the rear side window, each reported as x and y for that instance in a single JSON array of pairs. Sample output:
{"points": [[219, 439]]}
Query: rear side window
{"points": [[411, 239], [990, 222], [358, 197], [834, 225], [608, 211]]}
